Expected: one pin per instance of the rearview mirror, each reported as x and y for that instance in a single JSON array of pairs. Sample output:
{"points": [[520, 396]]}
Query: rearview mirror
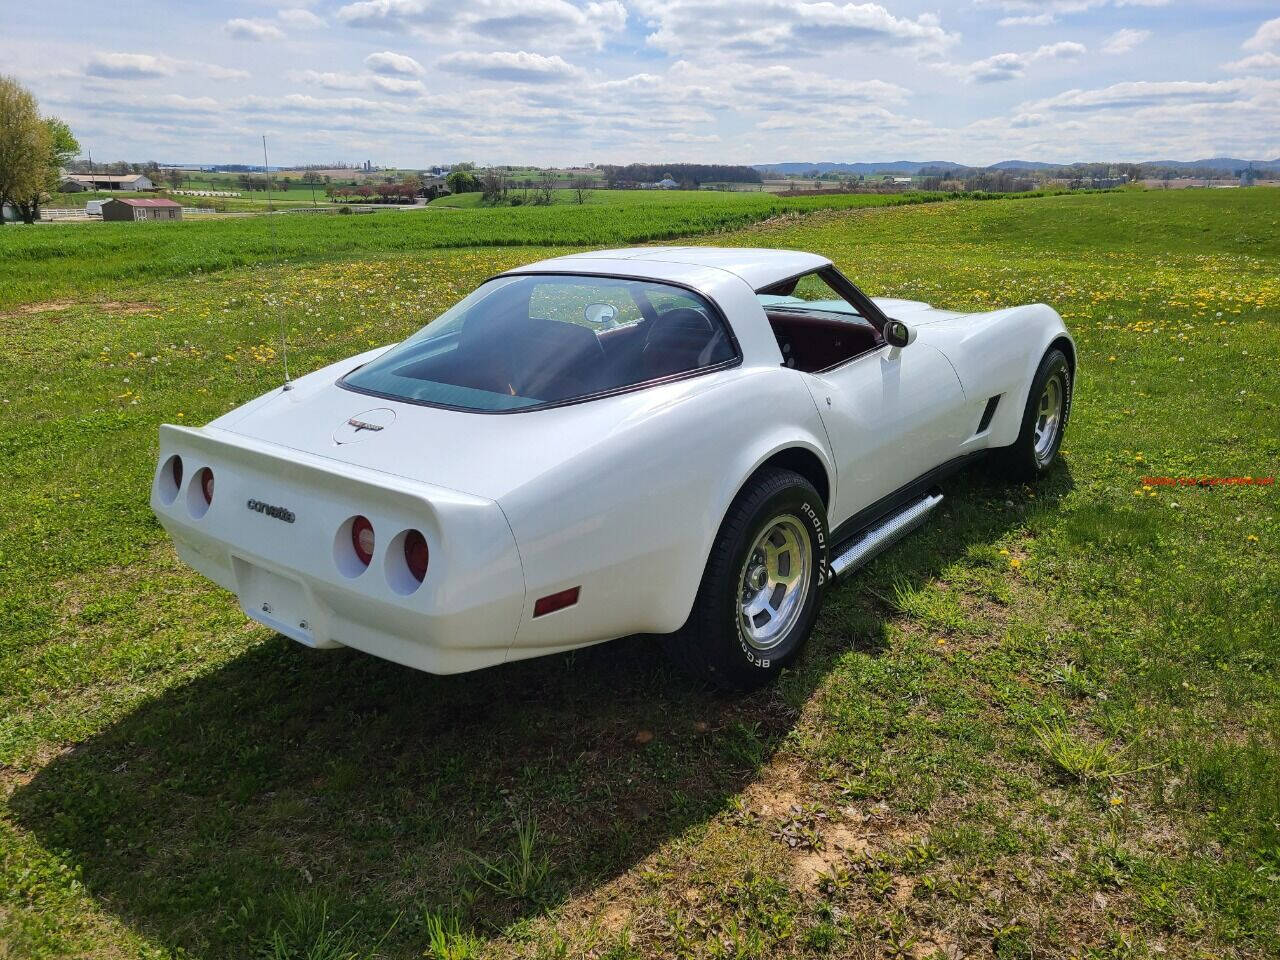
{"points": [[898, 334]]}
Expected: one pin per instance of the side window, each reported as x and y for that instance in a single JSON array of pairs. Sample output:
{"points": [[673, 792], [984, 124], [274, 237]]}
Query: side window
{"points": [[581, 303], [812, 288]]}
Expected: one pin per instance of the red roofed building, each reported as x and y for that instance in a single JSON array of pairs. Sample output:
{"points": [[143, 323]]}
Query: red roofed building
{"points": [[146, 208]]}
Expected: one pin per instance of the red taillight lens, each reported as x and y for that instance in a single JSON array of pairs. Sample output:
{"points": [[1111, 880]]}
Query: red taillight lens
{"points": [[416, 554], [206, 485], [362, 539], [175, 466]]}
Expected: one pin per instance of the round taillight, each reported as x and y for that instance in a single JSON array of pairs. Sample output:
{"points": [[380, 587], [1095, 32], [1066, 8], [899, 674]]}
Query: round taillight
{"points": [[362, 539], [206, 485], [416, 554], [175, 466]]}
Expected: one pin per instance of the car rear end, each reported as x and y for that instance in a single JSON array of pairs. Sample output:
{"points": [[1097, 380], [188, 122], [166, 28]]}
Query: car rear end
{"points": [[334, 554]]}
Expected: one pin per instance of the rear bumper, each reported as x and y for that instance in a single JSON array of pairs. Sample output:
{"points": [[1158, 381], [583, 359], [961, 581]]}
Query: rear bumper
{"points": [[296, 576]]}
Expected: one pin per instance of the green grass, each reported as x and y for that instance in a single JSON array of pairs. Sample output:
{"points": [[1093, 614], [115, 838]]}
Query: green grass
{"points": [[47, 264], [1046, 724]]}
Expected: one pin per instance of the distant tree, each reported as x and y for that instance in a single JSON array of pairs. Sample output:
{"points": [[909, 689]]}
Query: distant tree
{"points": [[462, 181], [175, 177], [493, 185], [62, 146], [24, 144], [545, 192], [581, 189]]}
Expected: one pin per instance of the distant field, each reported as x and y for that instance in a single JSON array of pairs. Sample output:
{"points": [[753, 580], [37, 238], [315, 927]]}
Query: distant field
{"points": [[51, 262], [1046, 725]]}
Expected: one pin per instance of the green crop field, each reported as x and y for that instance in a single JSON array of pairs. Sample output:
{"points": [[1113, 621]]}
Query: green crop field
{"points": [[51, 262], [1045, 725]]}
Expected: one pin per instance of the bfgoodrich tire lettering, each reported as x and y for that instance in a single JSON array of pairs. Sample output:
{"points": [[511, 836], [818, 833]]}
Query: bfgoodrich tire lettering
{"points": [[762, 587]]}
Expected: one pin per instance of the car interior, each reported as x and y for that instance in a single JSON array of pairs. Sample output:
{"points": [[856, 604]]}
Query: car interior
{"points": [[813, 339], [550, 360], [551, 339]]}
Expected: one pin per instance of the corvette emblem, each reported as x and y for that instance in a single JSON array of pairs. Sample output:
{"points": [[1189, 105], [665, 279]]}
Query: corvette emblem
{"points": [[270, 510], [362, 425]]}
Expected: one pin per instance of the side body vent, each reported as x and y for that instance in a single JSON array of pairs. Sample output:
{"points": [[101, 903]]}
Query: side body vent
{"points": [[987, 414]]}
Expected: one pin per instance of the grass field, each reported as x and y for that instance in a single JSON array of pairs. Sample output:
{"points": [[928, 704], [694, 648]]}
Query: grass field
{"points": [[47, 264], [1046, 725]]}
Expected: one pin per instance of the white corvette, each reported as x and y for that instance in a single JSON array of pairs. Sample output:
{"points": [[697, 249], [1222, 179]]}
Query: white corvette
{"points": [[681, 441]]}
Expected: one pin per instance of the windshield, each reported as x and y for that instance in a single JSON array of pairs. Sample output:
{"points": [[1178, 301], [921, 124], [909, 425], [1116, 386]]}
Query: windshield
{"points": [[526, 341]]}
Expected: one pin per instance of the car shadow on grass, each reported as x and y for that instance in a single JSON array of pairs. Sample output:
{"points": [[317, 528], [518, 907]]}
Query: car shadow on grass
{"points": [[286, 777]]}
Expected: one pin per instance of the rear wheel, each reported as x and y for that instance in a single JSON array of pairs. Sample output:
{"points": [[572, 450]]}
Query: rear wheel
{"points": [[762, 586], [1044, 421]]}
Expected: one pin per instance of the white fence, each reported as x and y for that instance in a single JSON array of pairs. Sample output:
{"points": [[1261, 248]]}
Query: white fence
{"points": [[66, 213]]}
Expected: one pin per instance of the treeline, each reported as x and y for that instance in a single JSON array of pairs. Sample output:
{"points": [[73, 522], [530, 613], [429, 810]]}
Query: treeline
{"points": [[685, 174], [973, 179]]}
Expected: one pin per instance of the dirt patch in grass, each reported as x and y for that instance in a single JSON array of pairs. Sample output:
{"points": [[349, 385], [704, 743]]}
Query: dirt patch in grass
{"points": [[126, 307]]}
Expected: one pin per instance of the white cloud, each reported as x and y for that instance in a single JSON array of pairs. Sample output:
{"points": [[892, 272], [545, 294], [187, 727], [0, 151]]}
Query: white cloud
{"points": [[146, 66], [301, 18], [1028, 20], [1257, 63], [336, 80], [393, 64], [1267, 35], [397, 86], [1002, 66], [1144, 93], [785, 26], [1043, 12], [1064, 50], [128, 66], [1013, 66], [1122, 41], [516, 66], [243, 29], [508, 21]]}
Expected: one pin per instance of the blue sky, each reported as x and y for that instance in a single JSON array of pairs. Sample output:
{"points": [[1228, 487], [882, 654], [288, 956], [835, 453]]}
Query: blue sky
{"points": [[416, 82]]}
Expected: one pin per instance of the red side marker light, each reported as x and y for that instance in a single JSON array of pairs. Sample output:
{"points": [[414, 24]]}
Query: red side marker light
{"points": [[555, 601]]}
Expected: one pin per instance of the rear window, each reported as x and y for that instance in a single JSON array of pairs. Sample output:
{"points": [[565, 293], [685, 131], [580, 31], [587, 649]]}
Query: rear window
{"points": [[528, 341]]}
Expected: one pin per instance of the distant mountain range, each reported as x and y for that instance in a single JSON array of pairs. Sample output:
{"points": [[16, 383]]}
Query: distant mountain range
{"points": [[911, 167]]}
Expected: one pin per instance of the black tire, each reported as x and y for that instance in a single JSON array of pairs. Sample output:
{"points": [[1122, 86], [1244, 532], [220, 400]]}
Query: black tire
{"points": [[714, 643], [1025, 459]]}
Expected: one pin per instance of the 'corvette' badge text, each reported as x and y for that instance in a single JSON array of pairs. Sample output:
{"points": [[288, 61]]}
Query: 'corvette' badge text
{"points": [[364, 425], [280, 513]]}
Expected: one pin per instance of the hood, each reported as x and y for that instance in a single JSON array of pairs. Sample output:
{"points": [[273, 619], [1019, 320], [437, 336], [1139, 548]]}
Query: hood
{"points": [[482, 454], [914, 311]]}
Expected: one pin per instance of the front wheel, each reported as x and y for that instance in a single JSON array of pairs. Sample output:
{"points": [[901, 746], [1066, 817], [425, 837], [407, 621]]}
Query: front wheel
{"points": [[762, 586], [1044, 421]]}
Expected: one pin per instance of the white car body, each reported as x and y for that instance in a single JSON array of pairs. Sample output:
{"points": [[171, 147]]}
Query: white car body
{"points": [[620, 496]]}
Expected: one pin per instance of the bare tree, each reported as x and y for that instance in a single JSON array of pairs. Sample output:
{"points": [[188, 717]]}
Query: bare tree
{"points": [[546, 188], [581, 189], [493, 185]]}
